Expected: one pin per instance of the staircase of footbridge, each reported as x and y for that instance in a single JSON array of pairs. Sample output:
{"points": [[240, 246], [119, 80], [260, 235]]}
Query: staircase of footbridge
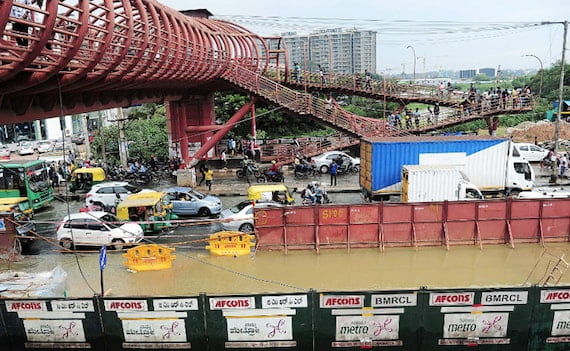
{"points": [[456, 107]]}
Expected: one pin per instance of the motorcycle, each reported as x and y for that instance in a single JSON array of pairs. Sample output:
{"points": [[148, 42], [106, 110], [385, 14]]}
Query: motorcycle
{"points": [[302, 170], [251, 170], [276, 178]]}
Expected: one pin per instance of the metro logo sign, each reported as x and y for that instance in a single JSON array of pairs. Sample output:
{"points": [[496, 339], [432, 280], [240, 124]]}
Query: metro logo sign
{"points": [[451, 299], [554, 296], [336, 301]]}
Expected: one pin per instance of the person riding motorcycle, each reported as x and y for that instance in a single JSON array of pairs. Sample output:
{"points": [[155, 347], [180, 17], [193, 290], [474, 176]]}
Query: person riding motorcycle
{"points": [[273, 173]]}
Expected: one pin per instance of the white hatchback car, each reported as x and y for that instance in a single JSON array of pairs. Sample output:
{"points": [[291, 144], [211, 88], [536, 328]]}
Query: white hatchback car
{"points": [[105, 194], [25, 148], [240, 217], [531, 152], [97, 228], [323, 161]]}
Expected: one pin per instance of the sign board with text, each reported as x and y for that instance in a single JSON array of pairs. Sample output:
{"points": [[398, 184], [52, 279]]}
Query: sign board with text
{"points": [[161, 323], [353, 321], [486, 319], [267, 321], [53, 323]]}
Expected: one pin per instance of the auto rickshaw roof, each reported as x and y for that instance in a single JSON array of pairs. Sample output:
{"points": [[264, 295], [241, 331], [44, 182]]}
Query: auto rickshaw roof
{"points": [[12, 200], [156, 195], [254, 191], [138, 202], [97, 172]]}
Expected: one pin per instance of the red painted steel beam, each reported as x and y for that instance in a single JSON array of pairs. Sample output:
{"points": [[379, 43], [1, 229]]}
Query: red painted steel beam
{"points": [[105, 46], [222, 132]]}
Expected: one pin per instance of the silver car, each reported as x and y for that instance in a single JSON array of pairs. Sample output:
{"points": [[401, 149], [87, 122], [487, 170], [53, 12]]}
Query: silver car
{"points": [[189, 202], [323, 161], [240, 217]]}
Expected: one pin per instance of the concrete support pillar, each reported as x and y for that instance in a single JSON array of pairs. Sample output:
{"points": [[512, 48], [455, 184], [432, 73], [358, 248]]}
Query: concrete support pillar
{"points": [[38, 130]]}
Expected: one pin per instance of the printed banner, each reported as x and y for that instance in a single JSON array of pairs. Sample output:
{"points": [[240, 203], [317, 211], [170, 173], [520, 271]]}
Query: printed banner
{"points": [[469, 325], [357, 328], [561, 323], [69, 330], [157, 330], [260, 329]]}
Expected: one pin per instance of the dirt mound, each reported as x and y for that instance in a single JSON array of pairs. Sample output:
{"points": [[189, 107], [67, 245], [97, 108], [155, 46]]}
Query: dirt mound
{"points": [[542, 130]]}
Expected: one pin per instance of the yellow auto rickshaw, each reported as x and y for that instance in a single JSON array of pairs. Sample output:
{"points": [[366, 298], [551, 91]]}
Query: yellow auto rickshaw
{"points": [[152, 208], [82, 179], [23, 215], [270, 193]]}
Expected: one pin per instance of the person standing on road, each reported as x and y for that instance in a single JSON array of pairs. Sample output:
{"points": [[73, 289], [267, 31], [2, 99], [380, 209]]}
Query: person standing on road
{"points": [[202, 168], [224, 159], [563, 164], [209, 175], [333, 171]]}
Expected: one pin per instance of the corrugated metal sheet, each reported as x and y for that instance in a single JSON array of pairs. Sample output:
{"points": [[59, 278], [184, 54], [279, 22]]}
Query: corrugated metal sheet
{"points": [[384, 162]]}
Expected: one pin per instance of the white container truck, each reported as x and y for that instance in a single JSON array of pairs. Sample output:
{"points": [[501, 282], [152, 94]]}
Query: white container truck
{"points": [[493, 164], [436, 183]]}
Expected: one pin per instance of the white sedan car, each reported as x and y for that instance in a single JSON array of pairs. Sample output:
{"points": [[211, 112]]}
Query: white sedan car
{"points": [[323, 161], [44, 146], [531, 152], [4, 151], [97, 228], [26, 148]]}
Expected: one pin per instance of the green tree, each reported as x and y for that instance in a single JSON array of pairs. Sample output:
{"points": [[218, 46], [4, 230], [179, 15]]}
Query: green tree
{"points": [[146, 137]]}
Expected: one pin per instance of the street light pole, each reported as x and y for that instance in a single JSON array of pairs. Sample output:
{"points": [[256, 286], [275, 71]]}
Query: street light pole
{"points": [[414, 51], [554, 176], [541, 72]]}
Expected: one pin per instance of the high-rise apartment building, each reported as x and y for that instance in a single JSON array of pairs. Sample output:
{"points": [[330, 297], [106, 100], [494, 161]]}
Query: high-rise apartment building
{"points": [[337, 50]]}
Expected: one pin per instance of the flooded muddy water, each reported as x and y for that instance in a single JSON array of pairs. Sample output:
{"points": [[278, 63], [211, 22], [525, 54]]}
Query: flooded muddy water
{"points": [[195, 271]]}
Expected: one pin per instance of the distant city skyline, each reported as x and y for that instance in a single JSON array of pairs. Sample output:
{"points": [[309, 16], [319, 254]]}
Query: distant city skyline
{"points": [[445, 35]]}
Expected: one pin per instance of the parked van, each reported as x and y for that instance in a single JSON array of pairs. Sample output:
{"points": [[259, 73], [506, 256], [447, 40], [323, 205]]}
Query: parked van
{"points": [[270, 192]]}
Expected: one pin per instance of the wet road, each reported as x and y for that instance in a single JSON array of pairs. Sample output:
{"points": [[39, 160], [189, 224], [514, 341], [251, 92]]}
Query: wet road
{"points": [[196, 229]]}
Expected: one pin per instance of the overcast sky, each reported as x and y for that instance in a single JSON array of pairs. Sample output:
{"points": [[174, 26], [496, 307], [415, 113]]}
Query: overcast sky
{"points": [[445, 34]]}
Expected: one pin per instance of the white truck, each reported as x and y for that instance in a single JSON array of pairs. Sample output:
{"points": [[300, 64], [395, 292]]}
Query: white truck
{"points": [[493, 164], [436, 183]]}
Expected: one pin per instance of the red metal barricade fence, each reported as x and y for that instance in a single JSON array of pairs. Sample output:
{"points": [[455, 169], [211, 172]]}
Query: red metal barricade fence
{"points": [[413, 224]]}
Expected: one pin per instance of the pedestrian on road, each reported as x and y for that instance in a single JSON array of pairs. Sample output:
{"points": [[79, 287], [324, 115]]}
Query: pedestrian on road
{"points": [[333, 171], [209, 175], [202, 168], [224, 159]]}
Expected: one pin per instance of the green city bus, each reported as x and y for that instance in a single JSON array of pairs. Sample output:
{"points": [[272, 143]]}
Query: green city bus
{"points": [[26, 179]]}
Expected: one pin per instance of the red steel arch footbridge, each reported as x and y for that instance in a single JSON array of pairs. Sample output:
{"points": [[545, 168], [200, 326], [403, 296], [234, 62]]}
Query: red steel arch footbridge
{"points": [[72, 56]]}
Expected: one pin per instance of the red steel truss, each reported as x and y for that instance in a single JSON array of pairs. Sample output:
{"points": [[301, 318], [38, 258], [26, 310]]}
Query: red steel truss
{"points": [[108, 53]]}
